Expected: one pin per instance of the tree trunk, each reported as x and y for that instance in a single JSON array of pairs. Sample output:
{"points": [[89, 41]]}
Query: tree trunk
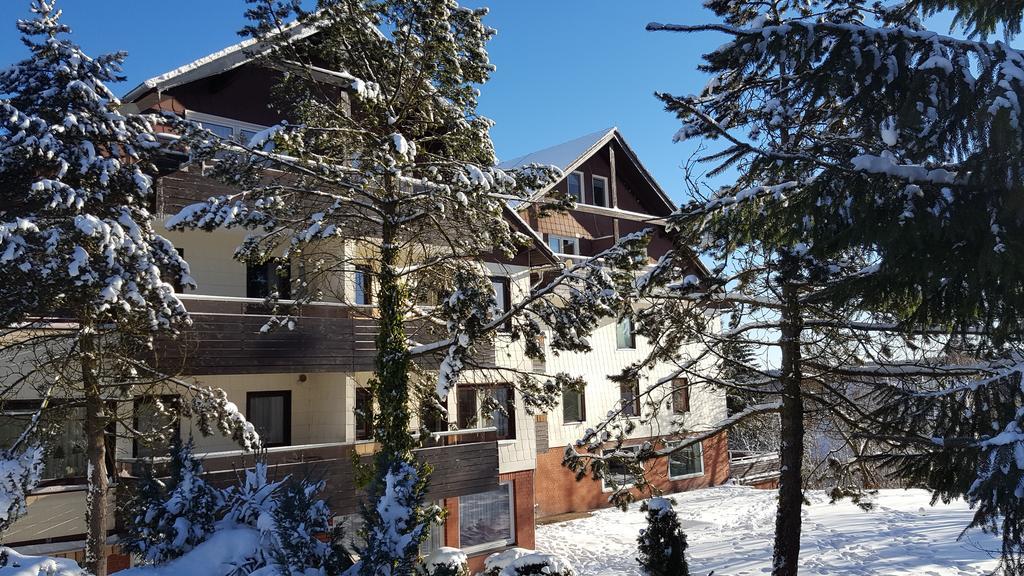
{"points": [[786, 554], [391, 389], [95, 437]]}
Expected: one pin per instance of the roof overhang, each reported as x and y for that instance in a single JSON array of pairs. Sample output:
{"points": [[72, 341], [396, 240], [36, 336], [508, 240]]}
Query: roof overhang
{"points": [[219, 62]]}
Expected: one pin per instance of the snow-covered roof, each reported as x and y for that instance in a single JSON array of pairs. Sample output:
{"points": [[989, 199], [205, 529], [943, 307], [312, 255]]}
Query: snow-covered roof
{"points": [[565, 154], [212, 64], [568, 156]]}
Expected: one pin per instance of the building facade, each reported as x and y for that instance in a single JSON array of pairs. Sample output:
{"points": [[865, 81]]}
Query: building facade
{"points": [[306, 390]]}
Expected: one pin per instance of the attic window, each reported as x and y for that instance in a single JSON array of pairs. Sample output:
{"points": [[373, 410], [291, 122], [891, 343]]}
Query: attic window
{"points": [[575, 184], [563, 244], [599, 190]]}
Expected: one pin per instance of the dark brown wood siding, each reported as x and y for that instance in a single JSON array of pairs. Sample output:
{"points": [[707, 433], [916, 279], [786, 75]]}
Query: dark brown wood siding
{"points": [[459, 469], [227, 337], [633, 193]]}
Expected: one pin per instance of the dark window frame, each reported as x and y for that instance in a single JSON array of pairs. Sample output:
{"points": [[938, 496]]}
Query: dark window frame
{"points": [[138, 401], [582, 416], [506, 304], [269, 272], [286, 426], [632, 399], [362, 279], [680, 395], [364, 432], [477, 389]]}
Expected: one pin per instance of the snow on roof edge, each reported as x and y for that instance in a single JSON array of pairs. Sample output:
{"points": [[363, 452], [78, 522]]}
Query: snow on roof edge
{"points": [[299, 30]]}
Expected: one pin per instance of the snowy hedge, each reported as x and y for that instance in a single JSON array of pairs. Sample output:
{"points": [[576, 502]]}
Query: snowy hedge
{"points": [[523, 562], [259, 526], [14, 564], [444, 562]]}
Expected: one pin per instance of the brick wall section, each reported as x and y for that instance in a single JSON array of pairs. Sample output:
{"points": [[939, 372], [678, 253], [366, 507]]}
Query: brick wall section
{"points": [[522, 491], [558, 492]]}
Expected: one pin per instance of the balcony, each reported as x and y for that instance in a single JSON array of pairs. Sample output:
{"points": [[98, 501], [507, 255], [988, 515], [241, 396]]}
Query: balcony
{"points": [[227, 337], [464, 462]]}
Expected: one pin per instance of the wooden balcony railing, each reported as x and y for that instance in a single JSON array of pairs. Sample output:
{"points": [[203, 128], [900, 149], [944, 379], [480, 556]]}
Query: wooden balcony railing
{"points": [[227, 336], [466, 464]]}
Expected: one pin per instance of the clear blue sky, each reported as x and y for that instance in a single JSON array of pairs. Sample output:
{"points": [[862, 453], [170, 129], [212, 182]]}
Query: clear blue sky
{"points": [[564, 68]]}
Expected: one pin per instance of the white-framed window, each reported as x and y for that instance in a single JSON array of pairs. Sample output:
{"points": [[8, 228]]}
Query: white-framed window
{"points": [[564, 244], [575, 185], [599, 190], [487, 520], [225, 127], [618, 471], [625, 338], [686, 463]]}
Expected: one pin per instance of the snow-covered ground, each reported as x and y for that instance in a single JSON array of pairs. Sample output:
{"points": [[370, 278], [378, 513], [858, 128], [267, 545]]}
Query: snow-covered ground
{"points": [[729, 530]]}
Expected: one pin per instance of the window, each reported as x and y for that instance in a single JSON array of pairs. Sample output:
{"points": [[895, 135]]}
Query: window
{"points": [[629, 394], [275, 275], [433, 418], [573, 406], [618, 471], [219, 129], [65, 459], [680, 396], [271, 414], [481, 407], [364, 414], [487, 519], [575, 185], [363, 282], [625, 339], [599, 190], [563, 244], [227, 128], [157, 417], [687, 462], [435, 535], [502, 298]]}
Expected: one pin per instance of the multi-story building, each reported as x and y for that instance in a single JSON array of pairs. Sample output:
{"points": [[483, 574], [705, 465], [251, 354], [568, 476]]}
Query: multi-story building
{"points": [[306, 390]]}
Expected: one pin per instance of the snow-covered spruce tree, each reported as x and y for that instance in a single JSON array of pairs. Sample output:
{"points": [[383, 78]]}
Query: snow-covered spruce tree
{"points": [[854, 126], [829, 361], [170, 521], [385, 171], [661, 546], [76, 243]]}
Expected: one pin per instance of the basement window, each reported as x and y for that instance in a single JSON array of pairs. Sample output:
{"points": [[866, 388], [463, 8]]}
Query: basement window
{"points": [[686, 463], [487, 519]]}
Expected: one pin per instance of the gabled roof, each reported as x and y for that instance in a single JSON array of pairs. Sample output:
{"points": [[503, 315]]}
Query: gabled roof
{"points": [[568, 156], [562, 155], [217, 63]]}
